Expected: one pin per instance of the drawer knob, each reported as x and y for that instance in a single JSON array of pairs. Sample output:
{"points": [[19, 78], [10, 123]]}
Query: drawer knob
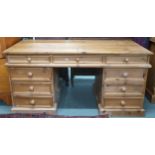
{"points": [[32, 102], [123, 103], [31, 88], [126, 60], [77, 59], [123, 89], [30, 74], [125, 74], [29, 59], [141, 110]]}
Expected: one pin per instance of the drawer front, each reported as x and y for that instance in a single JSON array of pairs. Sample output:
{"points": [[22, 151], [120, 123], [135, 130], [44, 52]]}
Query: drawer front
{"points": [[123, 103], [124, 81], [36, 74], [91, 59], [65, 59], [33, 102], [125, 73], [32, 88], [71, 59], [29, 59], [127, 59], [125, 90]]}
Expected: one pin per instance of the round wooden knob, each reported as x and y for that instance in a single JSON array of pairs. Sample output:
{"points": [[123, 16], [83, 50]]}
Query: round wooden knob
{"points": [[125, 74], [32, 102], [77, 59], [140, 110], [29, 59], [126, 60], [30, 74], [123, 103], [31, 88], [123, 89]]}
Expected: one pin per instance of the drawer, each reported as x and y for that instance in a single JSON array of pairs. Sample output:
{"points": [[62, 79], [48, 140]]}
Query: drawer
{"points": [[71, 59], [124, 81], [28, 59], [124, 90], [125, 73], [33, 102], [91, 59], [127, 59], [122, 103], [33, 88], [65, 59], [30, 74]]}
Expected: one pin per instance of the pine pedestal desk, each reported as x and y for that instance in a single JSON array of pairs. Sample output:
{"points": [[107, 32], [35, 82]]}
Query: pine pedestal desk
{"points": [[123, 63]]}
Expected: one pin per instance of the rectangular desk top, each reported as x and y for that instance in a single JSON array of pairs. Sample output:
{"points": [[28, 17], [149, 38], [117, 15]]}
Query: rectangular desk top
{"points": [[77, 47]]}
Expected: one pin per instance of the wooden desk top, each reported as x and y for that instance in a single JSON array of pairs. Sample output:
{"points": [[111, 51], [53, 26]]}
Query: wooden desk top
{"points": [[77, 47]]}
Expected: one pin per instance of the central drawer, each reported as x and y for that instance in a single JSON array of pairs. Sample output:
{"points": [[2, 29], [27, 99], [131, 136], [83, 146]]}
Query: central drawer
{"points": [[74, 59], [28, 59], [29, 74], [33, 102], [33, 88], [123, 103], [127, 59], [124, 90]]}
